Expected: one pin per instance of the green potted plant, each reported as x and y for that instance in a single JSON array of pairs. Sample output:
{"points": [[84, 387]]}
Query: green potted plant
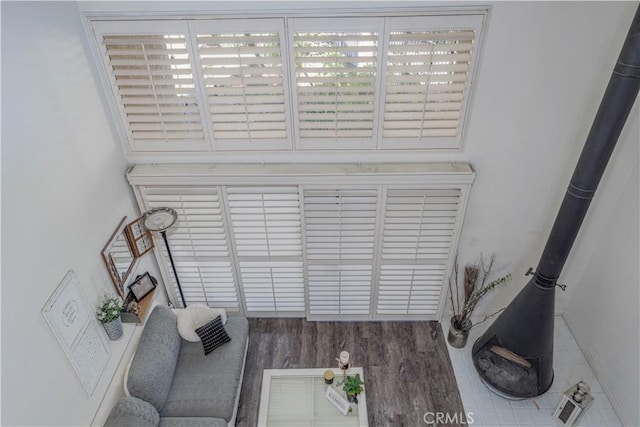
{"points": [[353, 387], [475, 286], [109, 315]]}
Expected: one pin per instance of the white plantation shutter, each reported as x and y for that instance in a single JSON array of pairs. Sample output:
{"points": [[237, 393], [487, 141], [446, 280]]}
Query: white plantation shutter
{"points": [[206, 282], [340, 289], [374, 242], [418, 235], [241, 63], [336, 64], [428, 68], [266, 228], [340, 230], [199, 244], [151, 75], [273, 287], [410, 289], [291, 83]]}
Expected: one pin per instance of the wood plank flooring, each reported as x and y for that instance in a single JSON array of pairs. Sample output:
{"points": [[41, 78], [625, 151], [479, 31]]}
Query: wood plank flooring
{"points": [[406, 365]]}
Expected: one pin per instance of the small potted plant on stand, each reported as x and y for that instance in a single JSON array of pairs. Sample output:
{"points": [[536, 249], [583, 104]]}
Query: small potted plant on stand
{"points": [[475, 287], [109, 315], [353, 387]]}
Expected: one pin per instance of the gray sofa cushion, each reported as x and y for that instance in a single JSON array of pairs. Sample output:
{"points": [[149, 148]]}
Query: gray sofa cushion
{"points": [[192, 422], [133, 412], [206, 386], [155, 360]]}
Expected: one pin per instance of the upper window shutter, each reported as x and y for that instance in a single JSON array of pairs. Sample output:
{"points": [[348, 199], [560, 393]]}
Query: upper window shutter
{"points": [[242, 68], [288, 83], [151, 73], [428, 77], [336, 68], [199, 244]]}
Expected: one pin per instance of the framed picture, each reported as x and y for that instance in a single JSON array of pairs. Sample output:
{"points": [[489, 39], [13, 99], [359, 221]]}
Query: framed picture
{"points": [[140, 238], [142, 286]]}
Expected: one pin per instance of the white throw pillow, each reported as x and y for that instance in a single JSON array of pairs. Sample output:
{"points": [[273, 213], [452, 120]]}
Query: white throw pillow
{"points": [[194, 316]]}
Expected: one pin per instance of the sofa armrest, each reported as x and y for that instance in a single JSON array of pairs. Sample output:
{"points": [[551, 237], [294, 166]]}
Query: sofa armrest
{"points": [[192, 422], [133, 412]]}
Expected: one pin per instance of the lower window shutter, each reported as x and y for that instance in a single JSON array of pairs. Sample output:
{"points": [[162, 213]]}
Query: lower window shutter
{"points": [[266, 230], [340, 230], [362, 245], [199, 245], [419, 229]]}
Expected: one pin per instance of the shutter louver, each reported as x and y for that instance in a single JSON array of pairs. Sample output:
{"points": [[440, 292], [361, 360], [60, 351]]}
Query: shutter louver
{"points": [[244, 81], [407, 290], [273, 287], [199, 245], [265, 221], [339, 289], [152, 78], [267, 233], [419, 229], [335, 73], [429, 65], [426, 80], [340, 224], [340, 230]]}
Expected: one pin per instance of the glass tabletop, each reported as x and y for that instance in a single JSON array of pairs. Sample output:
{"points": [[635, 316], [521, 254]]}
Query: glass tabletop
{"points": [[296, 397]]}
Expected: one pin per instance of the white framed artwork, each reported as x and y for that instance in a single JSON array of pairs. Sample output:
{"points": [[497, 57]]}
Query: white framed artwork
{"points": [[81, 337]]}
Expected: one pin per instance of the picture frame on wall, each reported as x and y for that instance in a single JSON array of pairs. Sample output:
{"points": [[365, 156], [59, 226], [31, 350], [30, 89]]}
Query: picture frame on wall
{"points": [[140, 238], [142, 286]]}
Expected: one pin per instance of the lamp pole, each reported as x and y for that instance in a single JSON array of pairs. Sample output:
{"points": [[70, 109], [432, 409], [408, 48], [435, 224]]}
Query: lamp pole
{"points": [[173, 266], [161, 219]]}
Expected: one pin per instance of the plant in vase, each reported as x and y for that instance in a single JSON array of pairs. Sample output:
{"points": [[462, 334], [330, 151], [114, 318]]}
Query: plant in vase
{"points": [[475, 286], [353, 387], [108, 314]]}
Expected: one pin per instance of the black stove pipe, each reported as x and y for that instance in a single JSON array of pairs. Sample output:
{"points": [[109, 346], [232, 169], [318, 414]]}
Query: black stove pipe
{"points": [[614, 109], [526, 326]]}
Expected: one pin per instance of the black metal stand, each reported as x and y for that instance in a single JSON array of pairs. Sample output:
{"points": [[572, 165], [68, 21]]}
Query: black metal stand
{"points": [[175, 273]]}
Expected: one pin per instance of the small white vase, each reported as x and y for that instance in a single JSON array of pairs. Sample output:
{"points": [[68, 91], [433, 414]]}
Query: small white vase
{"points": [[114, 329]]}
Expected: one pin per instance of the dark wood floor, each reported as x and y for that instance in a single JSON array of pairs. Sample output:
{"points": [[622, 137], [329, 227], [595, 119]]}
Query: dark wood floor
{"points": [[407, 370]]}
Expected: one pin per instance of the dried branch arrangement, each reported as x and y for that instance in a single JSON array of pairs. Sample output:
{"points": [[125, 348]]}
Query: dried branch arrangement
{"points": [[475, 286]]}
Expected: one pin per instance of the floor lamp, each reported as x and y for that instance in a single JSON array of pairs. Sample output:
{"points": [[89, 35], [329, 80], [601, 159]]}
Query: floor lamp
{"points": [[161, 219]]}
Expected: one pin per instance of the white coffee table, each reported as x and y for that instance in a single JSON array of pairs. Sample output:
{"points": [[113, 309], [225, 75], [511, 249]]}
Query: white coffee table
{"points": [[296, 398]]}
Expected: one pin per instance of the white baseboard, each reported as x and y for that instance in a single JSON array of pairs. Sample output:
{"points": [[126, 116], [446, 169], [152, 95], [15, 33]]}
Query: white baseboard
{"points": [[606, 387]]}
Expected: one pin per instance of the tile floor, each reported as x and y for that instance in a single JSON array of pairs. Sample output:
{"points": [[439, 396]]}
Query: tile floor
{"points": [[570, 366]]}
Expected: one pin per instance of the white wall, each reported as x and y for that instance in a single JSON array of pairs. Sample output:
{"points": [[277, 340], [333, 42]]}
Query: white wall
{"points": [[63, 194], [544, 68], [603, 275]]}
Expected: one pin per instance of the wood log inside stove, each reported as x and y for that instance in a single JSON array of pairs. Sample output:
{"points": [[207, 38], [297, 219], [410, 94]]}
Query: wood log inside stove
{"points": [[509, 355]]}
